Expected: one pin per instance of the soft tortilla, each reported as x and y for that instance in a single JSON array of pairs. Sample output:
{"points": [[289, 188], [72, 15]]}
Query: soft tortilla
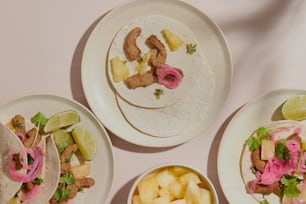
{"points": [[8, 141], [154, 24], [246, 163], [190, 113], [51, 173]]}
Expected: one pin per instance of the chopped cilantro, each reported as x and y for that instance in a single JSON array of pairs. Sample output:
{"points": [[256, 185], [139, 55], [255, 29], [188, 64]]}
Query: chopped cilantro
{"points": [[39, 118], [282, 152], [265, 201], [253, 170], [191, 48], [290, 183], [158, 92], [62, 146], [62, 194], [262, 133], [66, 178], [38, 181], [253, 143]]}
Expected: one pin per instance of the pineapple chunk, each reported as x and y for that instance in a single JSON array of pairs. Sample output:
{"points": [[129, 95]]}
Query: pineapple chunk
{"points": [[81, 170], [180, 201], [193, 193], [120, 71], [144, 63], [164, 178], [190, 176], [136, 199], [178, 170], [161, 200], [165, 192], [205, 196], [148, 189], [177, 190], [267, 149], [173, 40]]}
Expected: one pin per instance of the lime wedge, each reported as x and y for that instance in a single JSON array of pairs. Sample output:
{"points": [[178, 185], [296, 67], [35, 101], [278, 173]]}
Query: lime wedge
{"points": [[85, 142], [62, 137], [62, 119], [295, 108]]}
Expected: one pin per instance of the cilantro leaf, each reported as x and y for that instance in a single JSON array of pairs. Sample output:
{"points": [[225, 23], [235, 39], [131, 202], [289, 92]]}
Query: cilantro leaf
{"points": [[282, 151], [290, 183], [67, 178], [253, 143], [39, 118], [265, 201], [62, 194], [262, 133]]}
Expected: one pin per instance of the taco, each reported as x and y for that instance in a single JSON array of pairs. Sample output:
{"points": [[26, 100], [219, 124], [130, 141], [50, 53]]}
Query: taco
{"points": [[30, 165], [273, 163]]}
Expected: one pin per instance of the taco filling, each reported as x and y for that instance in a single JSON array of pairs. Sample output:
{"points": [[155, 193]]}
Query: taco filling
{"points": [[40, 167], [273, 163]]}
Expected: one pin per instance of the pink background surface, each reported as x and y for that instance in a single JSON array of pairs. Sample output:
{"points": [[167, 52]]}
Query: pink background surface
{"points": [[41, 45]]}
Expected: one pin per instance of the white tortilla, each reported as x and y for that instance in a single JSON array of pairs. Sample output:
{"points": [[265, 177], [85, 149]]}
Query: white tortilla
{"points": [[8, 141], [50, 174], [188, 113], [154, 24], [246, 163]]}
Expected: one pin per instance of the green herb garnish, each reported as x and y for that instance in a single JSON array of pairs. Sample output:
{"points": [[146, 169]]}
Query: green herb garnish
{"points": [[290, 183], [67, 178], [158, 93], [38, 181], [62, 194], [262, 133], [265, 201], [253, 143], [282, 152], [39, 119], [191, 48]]}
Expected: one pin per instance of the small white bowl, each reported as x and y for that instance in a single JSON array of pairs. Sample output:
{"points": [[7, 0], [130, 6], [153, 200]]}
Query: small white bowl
{"points": [[204, 180]]}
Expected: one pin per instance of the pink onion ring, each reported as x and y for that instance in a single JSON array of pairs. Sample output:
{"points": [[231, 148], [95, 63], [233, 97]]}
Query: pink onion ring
{"points": [[21, 136], [33, 170], [169, 77]]}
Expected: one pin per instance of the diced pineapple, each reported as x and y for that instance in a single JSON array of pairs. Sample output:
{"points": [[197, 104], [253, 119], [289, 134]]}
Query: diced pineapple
{"points": [[161, 200], [148, 189], [190, 176], [81, 170], [193, 193], [267, 149], [120, 71], [177, 190], [136, 200], [173, 40], [178, 170], [165, 192], [180, 201], [164, 178], [143, 63], [205, 196]]}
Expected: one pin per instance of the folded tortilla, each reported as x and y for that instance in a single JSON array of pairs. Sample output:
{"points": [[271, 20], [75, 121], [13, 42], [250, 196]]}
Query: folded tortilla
{"points": [[8, 141], [50, 173], [246, 164]]}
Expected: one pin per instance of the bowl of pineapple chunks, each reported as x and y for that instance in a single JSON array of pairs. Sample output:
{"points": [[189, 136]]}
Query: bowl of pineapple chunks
{"points": [[172, 184]]}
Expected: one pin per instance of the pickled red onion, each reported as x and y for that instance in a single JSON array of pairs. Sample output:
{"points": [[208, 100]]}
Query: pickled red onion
{"points": [[21, 136], [276, 168], [169, 72], [32, 171], [27, 195]]}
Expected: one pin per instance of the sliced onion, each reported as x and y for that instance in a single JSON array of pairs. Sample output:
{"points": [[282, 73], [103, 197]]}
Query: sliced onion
{"points": [[27, 195], [21, 136], [32, 171], [169, 72]]}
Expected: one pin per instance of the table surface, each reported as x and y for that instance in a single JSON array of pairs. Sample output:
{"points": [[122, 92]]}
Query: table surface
{"points": [[42, 44]]}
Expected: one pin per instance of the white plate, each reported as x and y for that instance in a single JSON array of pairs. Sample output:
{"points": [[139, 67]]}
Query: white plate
{"points": [[256, 113], [101, 97], [102, 164]]}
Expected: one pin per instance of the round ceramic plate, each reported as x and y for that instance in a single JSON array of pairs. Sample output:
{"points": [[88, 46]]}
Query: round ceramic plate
{"points": [[256, 113], [98, 89], [102, 165]]}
